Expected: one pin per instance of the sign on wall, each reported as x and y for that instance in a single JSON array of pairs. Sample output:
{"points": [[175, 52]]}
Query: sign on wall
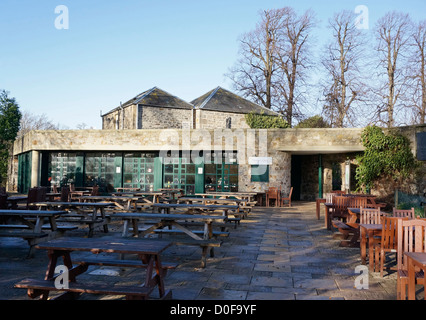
{"points": [[421, 146], [260, 160]]}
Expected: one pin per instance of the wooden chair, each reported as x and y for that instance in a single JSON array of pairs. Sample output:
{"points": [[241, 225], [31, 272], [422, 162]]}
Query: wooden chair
{"points": [[287, 198], [370, 216], [65, 194], [357, 202], [404, 213], [41, 194], [411, 238], [95, 191], [32, 197], [273, 194], [388, 242], [3, 201], [340, 208]]}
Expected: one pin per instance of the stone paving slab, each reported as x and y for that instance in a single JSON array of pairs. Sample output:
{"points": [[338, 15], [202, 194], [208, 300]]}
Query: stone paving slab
{"points": [[274, 254]]}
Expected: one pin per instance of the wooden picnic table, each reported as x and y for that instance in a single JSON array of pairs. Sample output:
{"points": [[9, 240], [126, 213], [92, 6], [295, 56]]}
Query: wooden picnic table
{"points": [[226, 195], [14, 200], [125, 203], [95, 217], [148, 252], [32, 231], [144, 196], [180, 223], [191, 200], [165, 207], [415, 259]]}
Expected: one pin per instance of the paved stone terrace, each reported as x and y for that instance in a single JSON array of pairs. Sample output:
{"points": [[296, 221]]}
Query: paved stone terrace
{"points": [[274, 254]]}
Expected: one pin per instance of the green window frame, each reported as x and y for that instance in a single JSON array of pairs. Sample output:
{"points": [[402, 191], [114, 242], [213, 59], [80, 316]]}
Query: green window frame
{"points": [[260, 173], [139, 171], [221, 172]]}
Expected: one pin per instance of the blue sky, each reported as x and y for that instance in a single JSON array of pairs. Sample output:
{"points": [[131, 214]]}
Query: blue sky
{"points": [[114, 50]]}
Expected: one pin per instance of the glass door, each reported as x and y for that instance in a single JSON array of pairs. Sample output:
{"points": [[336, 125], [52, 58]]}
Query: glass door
{"points": [[179, 173], [138, 171]]}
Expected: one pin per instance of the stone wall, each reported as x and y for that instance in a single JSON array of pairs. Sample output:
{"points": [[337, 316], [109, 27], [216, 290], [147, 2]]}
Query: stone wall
{"points": [[206, 119], [164, 118], [114, 120]]}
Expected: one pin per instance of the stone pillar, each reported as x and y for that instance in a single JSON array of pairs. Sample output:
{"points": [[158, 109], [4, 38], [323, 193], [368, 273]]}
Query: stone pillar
{"points": [[35, 169]]}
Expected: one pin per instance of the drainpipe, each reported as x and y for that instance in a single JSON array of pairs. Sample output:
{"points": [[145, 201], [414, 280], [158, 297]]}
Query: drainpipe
{"points": [[319, 176], [122, 116]]}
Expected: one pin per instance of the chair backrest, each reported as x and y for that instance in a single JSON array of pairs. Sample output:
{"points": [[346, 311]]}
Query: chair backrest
{"points": [[291, 191], [357, 202], [3, 201], [273, 193], [338, 191], [41, 194], [404, 213], [32, 197], [65, 194], [95, 191], [370, 216], [390, 232], [411, 238], [329, 197], [340, 205]]}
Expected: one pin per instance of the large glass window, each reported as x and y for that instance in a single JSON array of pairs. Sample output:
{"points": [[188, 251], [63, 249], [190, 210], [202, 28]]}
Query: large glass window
{"points": [[138, 171], [179, 173], [63, 169], [221, 172], [100, 169]]}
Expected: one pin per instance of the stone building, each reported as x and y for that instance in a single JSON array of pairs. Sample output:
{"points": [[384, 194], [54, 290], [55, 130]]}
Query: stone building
{"points": [[158, 140], [158, 109]]}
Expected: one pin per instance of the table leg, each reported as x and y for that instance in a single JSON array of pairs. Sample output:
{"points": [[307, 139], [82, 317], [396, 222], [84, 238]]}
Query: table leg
{"points": [[363, 245], [411, 280], [327, 218]]}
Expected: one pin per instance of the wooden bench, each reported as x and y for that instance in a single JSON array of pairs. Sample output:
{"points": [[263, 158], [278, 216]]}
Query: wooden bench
{"points": [[45, 227], [122, 263], [174, 231], [131, 292], [347, 231]]}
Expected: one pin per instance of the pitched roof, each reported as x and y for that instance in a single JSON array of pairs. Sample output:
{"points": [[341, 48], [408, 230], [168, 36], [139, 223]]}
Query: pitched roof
{"points": [[156, 97], [220, 99]]}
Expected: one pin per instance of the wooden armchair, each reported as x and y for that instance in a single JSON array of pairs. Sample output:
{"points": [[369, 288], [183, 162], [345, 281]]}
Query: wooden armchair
{"points": [[287, 198], [273, 194], [411, 238]]}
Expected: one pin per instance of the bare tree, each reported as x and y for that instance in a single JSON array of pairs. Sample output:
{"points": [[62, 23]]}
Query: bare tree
{"points": [[293, 60], [253, 73], [343, 60], [418, 73], [273, 57], [393, 34], [31, 121]]}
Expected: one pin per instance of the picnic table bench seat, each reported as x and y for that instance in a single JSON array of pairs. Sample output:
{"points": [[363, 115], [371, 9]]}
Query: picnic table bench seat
{"points": [[131, 292], [171, 231], [346, 230], [122, 263]]}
